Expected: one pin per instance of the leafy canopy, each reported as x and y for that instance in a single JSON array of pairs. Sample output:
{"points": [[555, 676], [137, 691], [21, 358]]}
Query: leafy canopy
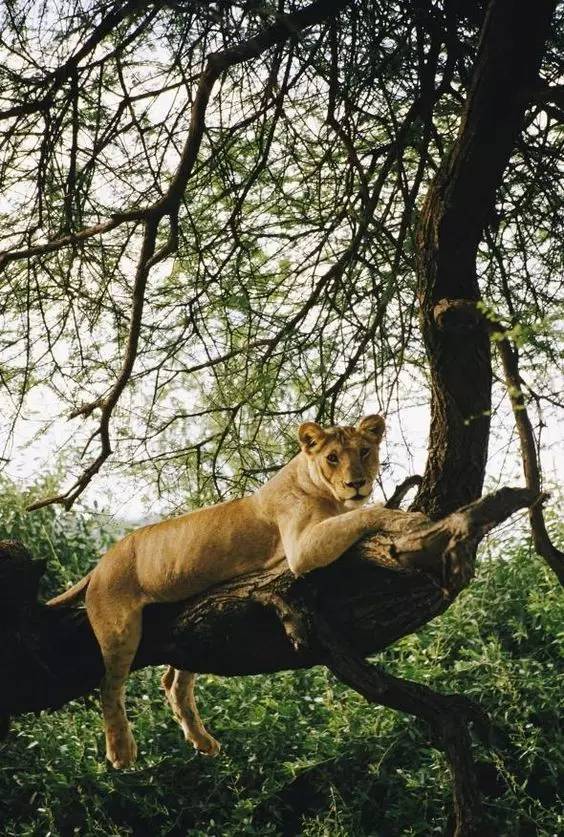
{"points": [[290, 292]]}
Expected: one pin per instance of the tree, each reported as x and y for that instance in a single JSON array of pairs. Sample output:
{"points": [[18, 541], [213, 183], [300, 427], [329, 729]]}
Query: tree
{"points": [[191, 274], [312, 127]]}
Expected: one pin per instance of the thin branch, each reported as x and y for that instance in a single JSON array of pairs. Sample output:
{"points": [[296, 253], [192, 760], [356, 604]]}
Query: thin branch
{"points": [[62, 73], [553, 556], [107, 405], [457, 314], [401, 490], [217, 64]]}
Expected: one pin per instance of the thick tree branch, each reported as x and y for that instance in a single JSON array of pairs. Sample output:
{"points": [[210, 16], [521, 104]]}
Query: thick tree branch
{"points": [[388, 585]]}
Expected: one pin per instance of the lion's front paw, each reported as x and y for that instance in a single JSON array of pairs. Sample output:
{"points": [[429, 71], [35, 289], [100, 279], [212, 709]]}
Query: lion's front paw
{"points": [[121, 749], [374, 514]]}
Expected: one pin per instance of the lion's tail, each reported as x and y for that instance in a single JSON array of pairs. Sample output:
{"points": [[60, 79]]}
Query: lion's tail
{"points": [[73, 593]]}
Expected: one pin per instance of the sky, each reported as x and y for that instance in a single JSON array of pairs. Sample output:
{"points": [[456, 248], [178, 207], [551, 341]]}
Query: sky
{"points": [[125, 497]]}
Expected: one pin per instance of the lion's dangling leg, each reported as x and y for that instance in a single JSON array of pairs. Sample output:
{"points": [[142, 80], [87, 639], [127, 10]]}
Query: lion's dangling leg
{"points": [[179, 690], [117, 627]]}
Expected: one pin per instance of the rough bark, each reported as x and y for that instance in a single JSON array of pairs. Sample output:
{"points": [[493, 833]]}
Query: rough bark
{"points": [[456, 210], [387, 586], [457, 207]]}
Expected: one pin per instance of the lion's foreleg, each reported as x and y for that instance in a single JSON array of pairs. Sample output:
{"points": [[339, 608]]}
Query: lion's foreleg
{"points": [[323, 542]]}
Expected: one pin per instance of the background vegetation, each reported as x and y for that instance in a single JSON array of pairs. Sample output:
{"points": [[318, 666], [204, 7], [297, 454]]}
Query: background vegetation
{"points": [[302, 754]]}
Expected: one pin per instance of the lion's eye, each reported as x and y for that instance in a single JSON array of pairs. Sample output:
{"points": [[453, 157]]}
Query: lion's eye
{"points": [[364, 452], [333, 459]]}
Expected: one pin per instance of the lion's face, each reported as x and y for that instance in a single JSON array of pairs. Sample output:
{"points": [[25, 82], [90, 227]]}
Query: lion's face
{"points": [[344, 460]]}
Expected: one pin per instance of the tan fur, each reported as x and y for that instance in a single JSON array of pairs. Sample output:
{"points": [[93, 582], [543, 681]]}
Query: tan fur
{"points": [[309, 513]]}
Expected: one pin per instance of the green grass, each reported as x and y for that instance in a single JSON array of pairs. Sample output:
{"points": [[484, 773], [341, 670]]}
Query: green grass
{"points": [[301, 753]]}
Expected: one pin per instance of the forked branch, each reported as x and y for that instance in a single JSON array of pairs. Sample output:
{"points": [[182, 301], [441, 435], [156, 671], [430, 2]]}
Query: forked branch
{"points": [[464, 315], [447, 715]]}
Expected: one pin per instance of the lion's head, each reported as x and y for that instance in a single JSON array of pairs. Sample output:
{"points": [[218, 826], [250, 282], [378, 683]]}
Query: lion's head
{"points": [[344, 460]]}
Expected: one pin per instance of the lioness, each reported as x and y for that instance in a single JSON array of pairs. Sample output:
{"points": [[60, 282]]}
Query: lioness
{"points": [[309, 513]]}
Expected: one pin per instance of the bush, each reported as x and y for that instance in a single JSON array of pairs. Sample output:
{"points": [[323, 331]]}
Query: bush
{"points": [[71, 542], [302, 753]]}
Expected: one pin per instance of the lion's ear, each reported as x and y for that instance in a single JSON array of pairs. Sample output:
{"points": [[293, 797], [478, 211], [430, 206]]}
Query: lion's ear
{"points": [[310, 434], [372, 426]]}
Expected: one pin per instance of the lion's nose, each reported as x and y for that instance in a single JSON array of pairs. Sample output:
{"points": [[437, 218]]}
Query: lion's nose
{"points": [[355, 484]]}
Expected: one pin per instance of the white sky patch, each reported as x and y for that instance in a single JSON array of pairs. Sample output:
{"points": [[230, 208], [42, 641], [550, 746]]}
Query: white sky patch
{"points": [[117, 495]]}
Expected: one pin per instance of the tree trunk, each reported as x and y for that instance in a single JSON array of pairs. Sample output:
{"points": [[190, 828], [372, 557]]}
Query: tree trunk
{"points": [[457, 208]]}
